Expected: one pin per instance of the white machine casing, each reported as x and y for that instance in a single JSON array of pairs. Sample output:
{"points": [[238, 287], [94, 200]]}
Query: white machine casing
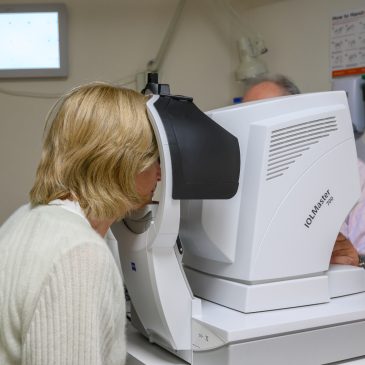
{"points": [[161, 298], [269, 246], [252, 252]]}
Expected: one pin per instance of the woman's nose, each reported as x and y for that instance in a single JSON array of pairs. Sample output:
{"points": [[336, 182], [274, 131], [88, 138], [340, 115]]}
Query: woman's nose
{"points": [[158, 172]]}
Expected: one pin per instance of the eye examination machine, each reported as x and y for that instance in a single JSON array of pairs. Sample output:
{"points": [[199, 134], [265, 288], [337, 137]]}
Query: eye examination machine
{"points": [[254, 195]]}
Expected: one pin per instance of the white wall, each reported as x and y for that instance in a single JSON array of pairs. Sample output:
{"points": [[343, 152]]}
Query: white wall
{"points": [[297, 34], [109, 40]]}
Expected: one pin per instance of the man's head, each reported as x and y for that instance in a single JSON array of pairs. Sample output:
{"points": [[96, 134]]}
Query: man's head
{"points": [[269, 87]]}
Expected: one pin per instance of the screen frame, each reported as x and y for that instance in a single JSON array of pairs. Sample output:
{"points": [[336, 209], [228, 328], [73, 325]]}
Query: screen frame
{"points": [[61, 71]]}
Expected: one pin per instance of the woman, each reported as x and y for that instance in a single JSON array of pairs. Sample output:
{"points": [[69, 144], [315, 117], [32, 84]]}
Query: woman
{"points": [[61, 293]]}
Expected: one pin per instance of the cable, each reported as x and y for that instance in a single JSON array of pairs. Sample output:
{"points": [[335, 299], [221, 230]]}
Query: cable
{"points": [[136, 79], [155, 64], [30, 94], [245, 28]]}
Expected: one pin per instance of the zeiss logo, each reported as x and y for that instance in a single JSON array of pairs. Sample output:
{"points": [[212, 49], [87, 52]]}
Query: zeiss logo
{"points": [[327, 199]]}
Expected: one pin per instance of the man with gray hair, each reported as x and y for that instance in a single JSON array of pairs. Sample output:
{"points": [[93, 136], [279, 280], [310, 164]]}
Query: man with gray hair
{"points": [[351, 239], [269, 87]]}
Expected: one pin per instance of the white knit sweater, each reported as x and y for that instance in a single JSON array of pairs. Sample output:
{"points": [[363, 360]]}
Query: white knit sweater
{"points": [[61, 293]]}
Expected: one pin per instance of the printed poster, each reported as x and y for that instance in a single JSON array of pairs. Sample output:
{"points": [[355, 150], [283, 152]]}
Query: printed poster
{"points": [[348, 43]]}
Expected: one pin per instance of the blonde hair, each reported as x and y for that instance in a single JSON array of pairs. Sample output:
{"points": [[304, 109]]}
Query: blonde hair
{"points": [[98, 141]]}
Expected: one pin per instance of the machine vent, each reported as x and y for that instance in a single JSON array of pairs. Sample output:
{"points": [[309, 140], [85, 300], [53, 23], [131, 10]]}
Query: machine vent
{"points": [[288, 144]]}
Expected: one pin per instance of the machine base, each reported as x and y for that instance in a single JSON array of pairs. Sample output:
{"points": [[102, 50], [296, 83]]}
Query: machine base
{"points": [[330, 333], [259, 297], [321, 346], [339, 280], [280, 350], [345, 280]]}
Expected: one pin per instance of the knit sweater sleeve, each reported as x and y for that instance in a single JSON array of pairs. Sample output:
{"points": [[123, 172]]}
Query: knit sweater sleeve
{"points": [[79, 316]]}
